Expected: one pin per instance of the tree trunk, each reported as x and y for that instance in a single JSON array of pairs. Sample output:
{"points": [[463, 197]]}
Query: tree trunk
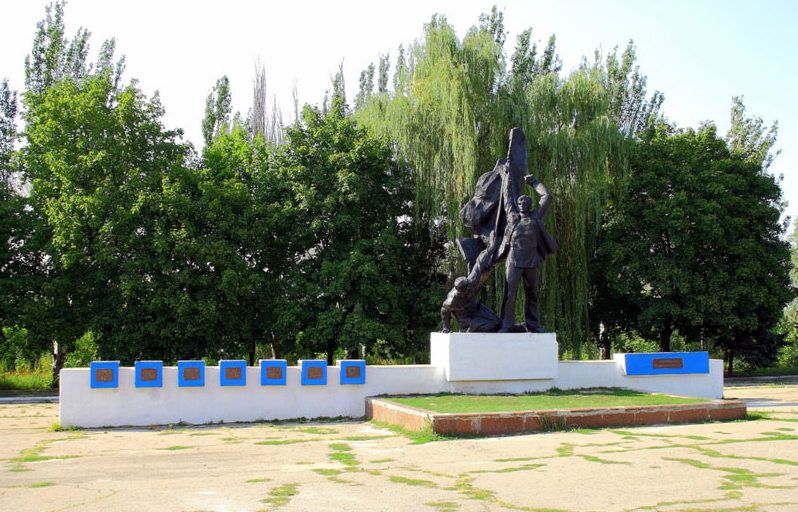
{"points": [[605, 346], [665, 339], [58, 363], [251, 356], [730, 363], [273, 346], [330, 353]]}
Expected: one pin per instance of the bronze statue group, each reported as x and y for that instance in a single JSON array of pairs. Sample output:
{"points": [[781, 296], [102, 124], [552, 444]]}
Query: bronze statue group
{"points": [[504, 227]]}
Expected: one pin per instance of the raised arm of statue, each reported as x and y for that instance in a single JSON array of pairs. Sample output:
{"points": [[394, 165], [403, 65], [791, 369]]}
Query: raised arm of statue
{"points": [[545, 196]]}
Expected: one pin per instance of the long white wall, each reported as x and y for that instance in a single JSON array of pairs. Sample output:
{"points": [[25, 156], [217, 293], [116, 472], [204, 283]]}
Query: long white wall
{"points": [[130, 406]]}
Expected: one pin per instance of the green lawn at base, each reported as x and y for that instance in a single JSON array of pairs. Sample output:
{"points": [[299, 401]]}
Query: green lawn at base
{"points": [[25, 380], [554, 399]]}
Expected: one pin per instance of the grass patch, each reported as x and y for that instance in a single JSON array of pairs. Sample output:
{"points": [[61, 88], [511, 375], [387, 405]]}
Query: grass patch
{"points": [[316, 430], [280, 496], [413, 481], [258, 480], [39, 485], [277, 442], [736, 478], [333, 475], [56, 427], [176, 448], [416, 437], [327, 471], [381, 461], [347, 459], [30, 380], [366, 437], [523, 467], [341, 454], [553, 399], [443, 506], [34, 454]]}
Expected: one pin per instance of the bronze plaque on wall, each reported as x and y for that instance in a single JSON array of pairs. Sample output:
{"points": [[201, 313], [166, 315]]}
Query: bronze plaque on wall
{"points": [[352, 372], [232, 373], [191, 374], [104, 375], [314, 373], [274, 372], [149, 374], [668, 362]]}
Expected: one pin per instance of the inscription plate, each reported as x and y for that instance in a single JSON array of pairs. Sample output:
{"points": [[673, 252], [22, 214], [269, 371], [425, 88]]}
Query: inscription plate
{"points": [[352, 372], [104, 375], [191, 374], [149, 374], [667, 362], [274, 372], [314, 372], [232, 373]]}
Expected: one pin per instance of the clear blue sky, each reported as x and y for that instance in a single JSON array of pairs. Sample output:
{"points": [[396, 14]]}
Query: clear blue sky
{"points": [[699, 53]]}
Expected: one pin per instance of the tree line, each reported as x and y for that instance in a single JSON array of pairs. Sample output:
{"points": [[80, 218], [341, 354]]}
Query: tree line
{"points": [[330, 235]]}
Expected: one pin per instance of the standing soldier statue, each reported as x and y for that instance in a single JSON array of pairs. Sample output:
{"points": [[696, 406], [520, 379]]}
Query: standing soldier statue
{"points": [[529, 244]]}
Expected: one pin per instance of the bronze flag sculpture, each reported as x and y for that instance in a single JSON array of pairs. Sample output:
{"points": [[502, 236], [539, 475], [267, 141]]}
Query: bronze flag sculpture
{"points": [[503, 227]]}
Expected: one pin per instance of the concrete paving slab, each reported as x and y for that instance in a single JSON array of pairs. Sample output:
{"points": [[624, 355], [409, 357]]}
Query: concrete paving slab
{"points": [[354, 465]]}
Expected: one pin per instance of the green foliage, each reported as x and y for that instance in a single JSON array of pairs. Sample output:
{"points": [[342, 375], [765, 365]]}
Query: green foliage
{"points": [[748, 137], [84, 352], [788, 326], [694, 244], [28, 373], [8, 128], [450, 117], [54, 57], [99, 160], [218, 106], [349, 284], [15, 350]]}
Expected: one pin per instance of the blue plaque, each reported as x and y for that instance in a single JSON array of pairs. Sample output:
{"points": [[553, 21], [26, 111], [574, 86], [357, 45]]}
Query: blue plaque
{"points": [[149, 374], [273, 372], [233, 373], [314, 372], [191, 374], [353, 371], [104, 374], [667, 363]]}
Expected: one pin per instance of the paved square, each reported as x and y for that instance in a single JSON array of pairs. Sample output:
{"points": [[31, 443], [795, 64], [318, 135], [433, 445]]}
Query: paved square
{"points": [[354, 465]]}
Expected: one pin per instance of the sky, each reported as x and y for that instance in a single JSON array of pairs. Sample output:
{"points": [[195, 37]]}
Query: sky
{"points": [[699, 53]]}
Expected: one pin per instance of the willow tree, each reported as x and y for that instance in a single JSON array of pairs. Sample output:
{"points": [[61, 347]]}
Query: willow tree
{"points": [[449, 117]]}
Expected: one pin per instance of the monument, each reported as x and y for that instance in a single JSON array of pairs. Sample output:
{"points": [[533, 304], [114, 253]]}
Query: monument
{"points": [[491, 354], [504, 228]]}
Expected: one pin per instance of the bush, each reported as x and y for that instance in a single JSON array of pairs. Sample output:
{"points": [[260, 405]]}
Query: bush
{"points": [[85, 351], [788, 356]]}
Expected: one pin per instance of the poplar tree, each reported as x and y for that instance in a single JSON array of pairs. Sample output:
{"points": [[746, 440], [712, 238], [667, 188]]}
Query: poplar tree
{"points": [[218, 107], [382, 81]]}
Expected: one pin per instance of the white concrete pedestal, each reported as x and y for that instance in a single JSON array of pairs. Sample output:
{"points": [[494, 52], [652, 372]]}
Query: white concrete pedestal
{"points": [[495, 356]]}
